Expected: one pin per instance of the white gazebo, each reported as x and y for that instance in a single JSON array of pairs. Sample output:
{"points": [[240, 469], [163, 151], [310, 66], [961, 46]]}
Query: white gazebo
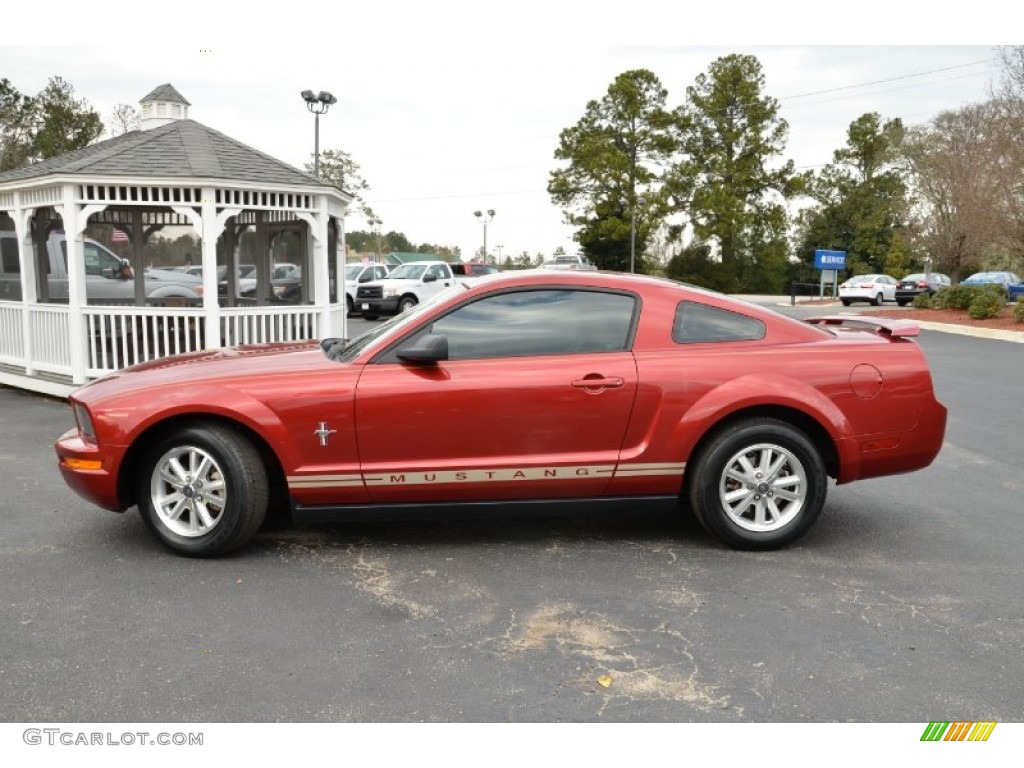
{"points": [[173, 172]]}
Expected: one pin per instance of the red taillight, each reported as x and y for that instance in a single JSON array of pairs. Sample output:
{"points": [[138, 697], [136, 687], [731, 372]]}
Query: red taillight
{"points": [[922, 285]]}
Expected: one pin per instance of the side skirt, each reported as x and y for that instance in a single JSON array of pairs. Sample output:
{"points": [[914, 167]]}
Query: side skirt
{"points": [[469, 510]]}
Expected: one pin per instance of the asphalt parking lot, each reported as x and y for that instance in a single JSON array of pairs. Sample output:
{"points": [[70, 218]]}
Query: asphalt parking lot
{"points": [[904, 603]]}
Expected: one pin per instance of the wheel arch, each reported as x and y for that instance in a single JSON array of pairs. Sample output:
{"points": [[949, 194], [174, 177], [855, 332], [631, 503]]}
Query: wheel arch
{"points": [[136, 453], [801, 420]]}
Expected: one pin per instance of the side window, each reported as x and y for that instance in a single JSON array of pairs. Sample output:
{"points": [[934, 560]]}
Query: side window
{"points": [[379, 273], [695, 323], [93, 263], [97, 260], [439, 271], [538, 322], [9, 253]]}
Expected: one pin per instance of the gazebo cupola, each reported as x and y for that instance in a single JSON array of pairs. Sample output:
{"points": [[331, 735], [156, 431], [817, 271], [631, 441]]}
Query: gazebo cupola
{"points": [[163, 105]]}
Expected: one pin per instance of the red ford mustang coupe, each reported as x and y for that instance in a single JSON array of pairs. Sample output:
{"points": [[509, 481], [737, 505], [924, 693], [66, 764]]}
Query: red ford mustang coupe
{"points": [[527, 390]]}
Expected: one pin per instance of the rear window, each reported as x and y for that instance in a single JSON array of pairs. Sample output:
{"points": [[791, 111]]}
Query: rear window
{"points": [[696, 323]]}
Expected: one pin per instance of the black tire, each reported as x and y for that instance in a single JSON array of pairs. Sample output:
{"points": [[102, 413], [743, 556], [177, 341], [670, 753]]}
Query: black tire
{"points": [[846, 302], [221, 485], [877, 301], [782, 520], [368, 316], [406, 303], [902, 302], [350, 306]]}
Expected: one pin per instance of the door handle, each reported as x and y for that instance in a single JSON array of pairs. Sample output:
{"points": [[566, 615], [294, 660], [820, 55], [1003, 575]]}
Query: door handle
{"points": [[595, 382]]}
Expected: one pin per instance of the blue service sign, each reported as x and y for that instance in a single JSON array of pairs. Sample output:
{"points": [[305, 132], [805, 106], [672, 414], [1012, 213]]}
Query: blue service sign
{"points": [[829, 259]]}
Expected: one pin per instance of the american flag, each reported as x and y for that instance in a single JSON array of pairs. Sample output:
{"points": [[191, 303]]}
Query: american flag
{"points": [[119, 237]]}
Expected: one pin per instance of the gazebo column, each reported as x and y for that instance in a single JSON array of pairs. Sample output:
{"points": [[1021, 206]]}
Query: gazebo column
{"points": [[205, 224], [74, 226], [341, 292], [317, 225], [138, 239], [23, 233], [210, 230]]}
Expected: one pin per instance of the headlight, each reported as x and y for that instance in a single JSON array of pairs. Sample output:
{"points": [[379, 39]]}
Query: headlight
{"points": [[390, 292], [84, 422], [279, 291]]}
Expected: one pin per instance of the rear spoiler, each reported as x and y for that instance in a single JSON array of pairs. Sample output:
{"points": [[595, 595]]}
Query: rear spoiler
{"points": [[897, 329]]}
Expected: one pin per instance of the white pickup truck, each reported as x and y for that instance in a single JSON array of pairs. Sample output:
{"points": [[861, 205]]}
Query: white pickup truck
{"points": [[108, 278], [403, 288]]}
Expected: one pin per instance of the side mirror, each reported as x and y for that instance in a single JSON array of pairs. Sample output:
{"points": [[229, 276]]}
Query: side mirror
{"points": [[431, 278], [428, 349]]}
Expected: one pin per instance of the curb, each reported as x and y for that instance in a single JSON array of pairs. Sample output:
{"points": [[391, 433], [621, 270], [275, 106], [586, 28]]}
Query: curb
{"points": [[967, 330]]}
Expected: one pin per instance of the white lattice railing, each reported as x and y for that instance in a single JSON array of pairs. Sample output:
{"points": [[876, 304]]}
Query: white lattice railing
{"points": [[12, 339], [248, 325], [51, 338], [118, 337]]}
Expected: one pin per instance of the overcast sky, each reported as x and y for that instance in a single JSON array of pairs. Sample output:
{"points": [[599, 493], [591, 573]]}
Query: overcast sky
{"points": [[451, 107]]}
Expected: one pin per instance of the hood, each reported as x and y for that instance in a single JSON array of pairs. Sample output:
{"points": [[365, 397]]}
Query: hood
{"points": [[221, 366]]}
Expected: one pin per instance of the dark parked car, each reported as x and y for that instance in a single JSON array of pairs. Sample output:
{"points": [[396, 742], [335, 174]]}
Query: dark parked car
{"points": [[912, 286]]}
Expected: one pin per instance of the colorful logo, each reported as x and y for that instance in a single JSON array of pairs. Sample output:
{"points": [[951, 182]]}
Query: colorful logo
{"points": [[960, 731]]}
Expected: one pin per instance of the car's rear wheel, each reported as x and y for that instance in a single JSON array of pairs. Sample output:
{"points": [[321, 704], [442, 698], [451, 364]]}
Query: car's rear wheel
{"points": [[203, 490], [877, 300], [846, 302], [758, 484], [370, 316], [902, 302]]}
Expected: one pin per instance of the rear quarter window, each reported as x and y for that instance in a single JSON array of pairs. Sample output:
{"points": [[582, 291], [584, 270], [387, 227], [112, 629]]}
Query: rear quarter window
{"points": [[696, 323]]}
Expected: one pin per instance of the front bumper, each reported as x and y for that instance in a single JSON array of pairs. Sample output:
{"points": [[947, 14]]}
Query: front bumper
{"points": [[77, 459], [387, 306]]}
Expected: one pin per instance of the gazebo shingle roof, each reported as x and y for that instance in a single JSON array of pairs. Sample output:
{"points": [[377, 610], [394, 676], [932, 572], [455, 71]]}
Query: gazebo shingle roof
{"points": [[180, 149], [165, 92]]}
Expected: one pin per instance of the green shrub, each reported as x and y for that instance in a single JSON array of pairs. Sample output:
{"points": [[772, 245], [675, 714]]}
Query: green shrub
{"points": [[962, 296], [986, 304], [1018, 310], [923, 301], [955, 297]]}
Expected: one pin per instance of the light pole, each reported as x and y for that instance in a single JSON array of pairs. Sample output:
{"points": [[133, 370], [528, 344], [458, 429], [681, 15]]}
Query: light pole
{"points": [[484, 218], [318, 104], [375, 223], [499, 247]]}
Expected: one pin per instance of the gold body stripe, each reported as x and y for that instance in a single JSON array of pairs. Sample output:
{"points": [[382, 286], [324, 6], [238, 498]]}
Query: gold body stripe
{"points": [[495, 475]]}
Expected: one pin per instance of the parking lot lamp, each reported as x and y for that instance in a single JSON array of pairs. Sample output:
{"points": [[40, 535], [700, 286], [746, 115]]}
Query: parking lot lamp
{"points": [[484, 218], [318, 104]]}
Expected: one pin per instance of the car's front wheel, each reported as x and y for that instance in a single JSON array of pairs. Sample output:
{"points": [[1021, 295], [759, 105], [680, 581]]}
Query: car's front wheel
{"points": [[203, 490], [407, 303], [758, 484]]}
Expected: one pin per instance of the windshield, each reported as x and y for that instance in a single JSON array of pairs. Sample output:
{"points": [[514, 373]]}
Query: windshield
{"points": [[346, 350], [414, 271], [352, 271]]}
